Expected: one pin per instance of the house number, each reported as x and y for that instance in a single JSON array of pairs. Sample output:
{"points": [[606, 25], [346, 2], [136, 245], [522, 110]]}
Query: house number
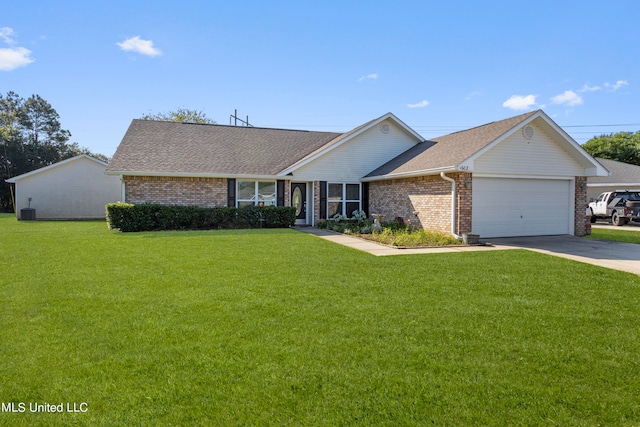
{"points": [[464, 168]]}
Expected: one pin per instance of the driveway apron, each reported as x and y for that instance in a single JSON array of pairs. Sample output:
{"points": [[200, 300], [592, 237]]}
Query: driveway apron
{"points": [[616, 255]]}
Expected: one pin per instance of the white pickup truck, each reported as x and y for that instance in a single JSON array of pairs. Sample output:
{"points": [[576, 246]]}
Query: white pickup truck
{"points": [[618, 206]]}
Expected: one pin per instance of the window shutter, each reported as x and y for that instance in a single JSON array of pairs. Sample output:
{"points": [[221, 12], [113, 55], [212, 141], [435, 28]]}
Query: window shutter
{"points": [[280, 192], [365, 197], [231, 192], [323, 199]]}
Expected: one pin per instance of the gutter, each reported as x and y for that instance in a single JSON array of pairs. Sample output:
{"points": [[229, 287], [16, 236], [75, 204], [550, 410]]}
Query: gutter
{"points": [[454, 196]]}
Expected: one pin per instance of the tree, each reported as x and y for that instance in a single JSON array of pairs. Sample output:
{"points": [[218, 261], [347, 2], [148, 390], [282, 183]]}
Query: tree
{"points": [[31, 137], [620, 146], [183, 115]]}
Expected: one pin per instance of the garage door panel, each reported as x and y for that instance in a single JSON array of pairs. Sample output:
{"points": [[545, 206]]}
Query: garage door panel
{"points": [[520, 207]]}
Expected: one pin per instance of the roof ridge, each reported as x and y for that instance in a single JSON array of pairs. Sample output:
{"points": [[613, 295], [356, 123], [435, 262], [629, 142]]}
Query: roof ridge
{"points": [[524, 116], [232, 126]]}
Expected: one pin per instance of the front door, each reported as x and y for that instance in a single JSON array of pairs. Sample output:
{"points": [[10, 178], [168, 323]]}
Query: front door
{"points": [[299, 201]]}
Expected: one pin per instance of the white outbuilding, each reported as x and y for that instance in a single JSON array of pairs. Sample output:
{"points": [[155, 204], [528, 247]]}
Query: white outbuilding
{"points": [[75, 188]]}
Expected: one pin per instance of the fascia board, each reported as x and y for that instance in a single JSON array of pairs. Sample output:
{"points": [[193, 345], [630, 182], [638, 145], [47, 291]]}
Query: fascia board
{"points": [[194, 175], [53, 166], [411, 174]]}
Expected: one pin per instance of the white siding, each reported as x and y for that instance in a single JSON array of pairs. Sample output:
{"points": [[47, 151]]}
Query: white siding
{"points": [[358, 156], [540, 155], [75, 190]]}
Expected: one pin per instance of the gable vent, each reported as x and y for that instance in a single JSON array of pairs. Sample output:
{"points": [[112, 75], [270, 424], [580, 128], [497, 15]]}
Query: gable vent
{"points": [[384, 128], [527, 132]]}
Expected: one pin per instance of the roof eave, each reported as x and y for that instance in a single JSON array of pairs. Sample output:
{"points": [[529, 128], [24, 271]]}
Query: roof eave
{"points": [[193, 175], [412, 174]]}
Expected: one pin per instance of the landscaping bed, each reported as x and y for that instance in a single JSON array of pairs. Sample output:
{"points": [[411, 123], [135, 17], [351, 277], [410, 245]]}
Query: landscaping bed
{"points": [[394, 233]]}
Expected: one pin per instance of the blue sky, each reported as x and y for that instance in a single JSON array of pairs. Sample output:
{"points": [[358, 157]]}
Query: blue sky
{"points": [[328, 66]]}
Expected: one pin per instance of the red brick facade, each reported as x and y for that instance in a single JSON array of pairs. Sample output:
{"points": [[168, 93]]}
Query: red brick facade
{"points": [[582, 222], [205, 192], [186, 191], [426, 200]]}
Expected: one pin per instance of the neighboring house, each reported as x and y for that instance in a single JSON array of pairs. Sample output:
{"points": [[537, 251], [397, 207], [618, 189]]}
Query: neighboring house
{"points": [[624, 176], [516, 177], [75, 188]]}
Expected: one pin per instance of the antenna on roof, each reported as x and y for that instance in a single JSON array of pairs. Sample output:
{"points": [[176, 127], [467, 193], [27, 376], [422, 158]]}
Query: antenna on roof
{"points": [[237, 119]]}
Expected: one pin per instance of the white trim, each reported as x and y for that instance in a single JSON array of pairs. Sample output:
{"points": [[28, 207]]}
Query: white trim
{"points": [[344, 200], [54, 165], [454, 206], [412, 174], [123, 190], [256, 192], [511, 176], [613, 184], [313, 203], [197, 175]]}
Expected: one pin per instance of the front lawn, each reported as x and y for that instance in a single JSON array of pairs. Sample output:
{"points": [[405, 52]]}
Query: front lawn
{"points": [[618, 235], [277, 327]]}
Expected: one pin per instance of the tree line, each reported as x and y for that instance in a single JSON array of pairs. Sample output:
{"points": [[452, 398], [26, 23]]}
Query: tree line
{"points": [[31, 137], [620, 146]]}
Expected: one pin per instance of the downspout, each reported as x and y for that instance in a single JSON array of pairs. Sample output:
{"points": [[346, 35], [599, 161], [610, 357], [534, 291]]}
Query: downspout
{"points": [[454, 197]]}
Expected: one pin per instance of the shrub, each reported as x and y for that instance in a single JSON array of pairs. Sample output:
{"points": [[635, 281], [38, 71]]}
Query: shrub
{"points": [[152, 217]]}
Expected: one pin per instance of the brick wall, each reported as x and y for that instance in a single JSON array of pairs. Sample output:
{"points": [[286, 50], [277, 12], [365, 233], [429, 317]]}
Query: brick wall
{"points": [[316, 203], [582, 224], [187, 191], [429, 197]]}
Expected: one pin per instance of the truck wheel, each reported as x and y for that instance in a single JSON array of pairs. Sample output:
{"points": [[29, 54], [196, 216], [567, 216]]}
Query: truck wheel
{"points": [[593, 219], [616, 220]]}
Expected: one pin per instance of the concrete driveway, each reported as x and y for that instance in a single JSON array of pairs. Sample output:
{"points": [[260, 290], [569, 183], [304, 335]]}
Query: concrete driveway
{"points": [[632, 226], [616, 255]]}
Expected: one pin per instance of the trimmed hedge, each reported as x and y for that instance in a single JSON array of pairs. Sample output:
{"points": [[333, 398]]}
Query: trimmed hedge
{"points": [[151, 217]]}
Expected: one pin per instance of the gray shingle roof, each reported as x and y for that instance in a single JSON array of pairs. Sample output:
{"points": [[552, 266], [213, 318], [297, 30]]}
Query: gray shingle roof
{"points": [[185, 148], [448, 151], [621, 173]]}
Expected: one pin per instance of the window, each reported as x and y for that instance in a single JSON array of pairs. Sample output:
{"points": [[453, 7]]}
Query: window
{"points": [[342, 198], [250, 193]]}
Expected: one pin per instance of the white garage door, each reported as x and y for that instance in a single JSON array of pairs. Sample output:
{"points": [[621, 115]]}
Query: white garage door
{"points": [[521, 207]]}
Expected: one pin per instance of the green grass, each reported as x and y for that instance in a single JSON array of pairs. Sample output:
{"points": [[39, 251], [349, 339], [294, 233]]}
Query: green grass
{"points": [[621, 235], [277, 327]]}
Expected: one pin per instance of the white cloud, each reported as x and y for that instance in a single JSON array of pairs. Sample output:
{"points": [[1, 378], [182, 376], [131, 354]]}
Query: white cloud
{"points": [[12, 58], [569, 98], [617, 85], [519, 102], [587, 88], [472, 95], [138, 45], [372, 76], [420, 104], [5, 35]]}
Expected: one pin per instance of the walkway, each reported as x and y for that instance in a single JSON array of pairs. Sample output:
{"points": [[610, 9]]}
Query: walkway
{"points": [[383, 250]]}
